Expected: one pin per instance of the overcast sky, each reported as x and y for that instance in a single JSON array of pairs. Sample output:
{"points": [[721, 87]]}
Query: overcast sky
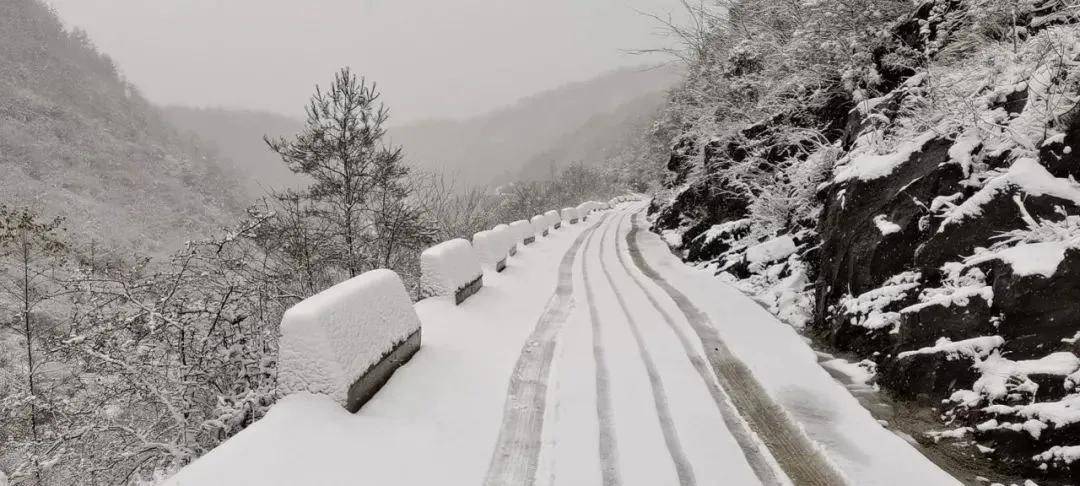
{"points": [[431, 58]]}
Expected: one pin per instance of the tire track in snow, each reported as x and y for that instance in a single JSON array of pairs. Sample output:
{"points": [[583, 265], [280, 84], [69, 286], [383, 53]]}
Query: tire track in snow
{"points": [[794, 452], [683, 468], [760, 461], [609, 450], [517, 449]]}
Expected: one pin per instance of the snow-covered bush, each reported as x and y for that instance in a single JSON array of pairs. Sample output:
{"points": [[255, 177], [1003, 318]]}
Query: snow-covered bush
{"points": [[329, 340], [448, 267]]}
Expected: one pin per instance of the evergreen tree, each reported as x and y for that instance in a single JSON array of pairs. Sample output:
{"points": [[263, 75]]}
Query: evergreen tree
{"points": [[340, 149]]}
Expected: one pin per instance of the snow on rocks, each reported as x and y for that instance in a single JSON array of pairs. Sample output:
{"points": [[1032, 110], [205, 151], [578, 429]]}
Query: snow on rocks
{"points": [[450, 268], [1002, 376], [1042, 258], [1059, 454], [771, 250], [868, 310], [337, 339], [1026, 175], [866, 165], [1057, 413], [885, 226], [974, 348]]}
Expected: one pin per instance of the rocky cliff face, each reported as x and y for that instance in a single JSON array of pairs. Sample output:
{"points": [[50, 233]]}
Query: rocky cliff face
{"points": [[931, 225]]}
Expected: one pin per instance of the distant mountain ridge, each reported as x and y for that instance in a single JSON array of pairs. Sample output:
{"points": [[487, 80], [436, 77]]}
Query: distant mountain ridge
{"points": [[529, 138], [586, 121]]}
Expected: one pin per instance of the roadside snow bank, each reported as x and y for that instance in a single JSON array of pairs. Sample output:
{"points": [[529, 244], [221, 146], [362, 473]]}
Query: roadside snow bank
{"points": [[330, 340]]}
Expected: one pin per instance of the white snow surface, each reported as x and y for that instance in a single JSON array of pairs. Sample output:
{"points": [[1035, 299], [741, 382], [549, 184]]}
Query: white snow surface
{"points": [[771, 250], [569, 214], [447, 267], [436, 421], [332, 338]]}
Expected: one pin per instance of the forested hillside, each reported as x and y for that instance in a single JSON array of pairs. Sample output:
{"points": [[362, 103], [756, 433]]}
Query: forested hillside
{"points": [[899, 181], [75, 135], [237, 137], [580, 122]]}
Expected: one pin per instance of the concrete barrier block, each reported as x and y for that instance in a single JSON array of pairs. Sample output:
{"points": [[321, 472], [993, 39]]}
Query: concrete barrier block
{"points": [[346, 341]]}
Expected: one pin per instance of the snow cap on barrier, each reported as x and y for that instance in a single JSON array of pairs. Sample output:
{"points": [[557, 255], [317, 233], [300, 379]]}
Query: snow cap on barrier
{"points": [[553, 219], [489, 248], [539, 223], [347, 340], [506, 239], [522, 231], [448, 268], [569, 215]]}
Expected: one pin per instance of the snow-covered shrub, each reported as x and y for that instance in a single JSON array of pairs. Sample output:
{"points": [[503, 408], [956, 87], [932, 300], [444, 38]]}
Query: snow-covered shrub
{"points": [[329, 340], [448, 267]]}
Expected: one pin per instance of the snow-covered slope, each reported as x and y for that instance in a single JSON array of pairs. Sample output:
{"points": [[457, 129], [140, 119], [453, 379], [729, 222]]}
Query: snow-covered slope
{"points": [[913, 205]]}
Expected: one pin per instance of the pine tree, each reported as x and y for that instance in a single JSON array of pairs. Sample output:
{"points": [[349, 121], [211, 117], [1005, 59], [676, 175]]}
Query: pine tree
{"points": [[340, 149]]}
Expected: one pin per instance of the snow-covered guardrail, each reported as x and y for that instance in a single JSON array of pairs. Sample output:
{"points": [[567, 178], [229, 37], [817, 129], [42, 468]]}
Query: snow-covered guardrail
{"points": [[523, 231], [450, 268], [540, 225], [507, 238], [570, 215], [490, 249], [553, 219], [585, 208], [346, 341]]}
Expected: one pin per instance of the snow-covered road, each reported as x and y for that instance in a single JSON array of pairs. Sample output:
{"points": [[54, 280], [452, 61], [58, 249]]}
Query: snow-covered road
{"points": [[595, 358]]}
